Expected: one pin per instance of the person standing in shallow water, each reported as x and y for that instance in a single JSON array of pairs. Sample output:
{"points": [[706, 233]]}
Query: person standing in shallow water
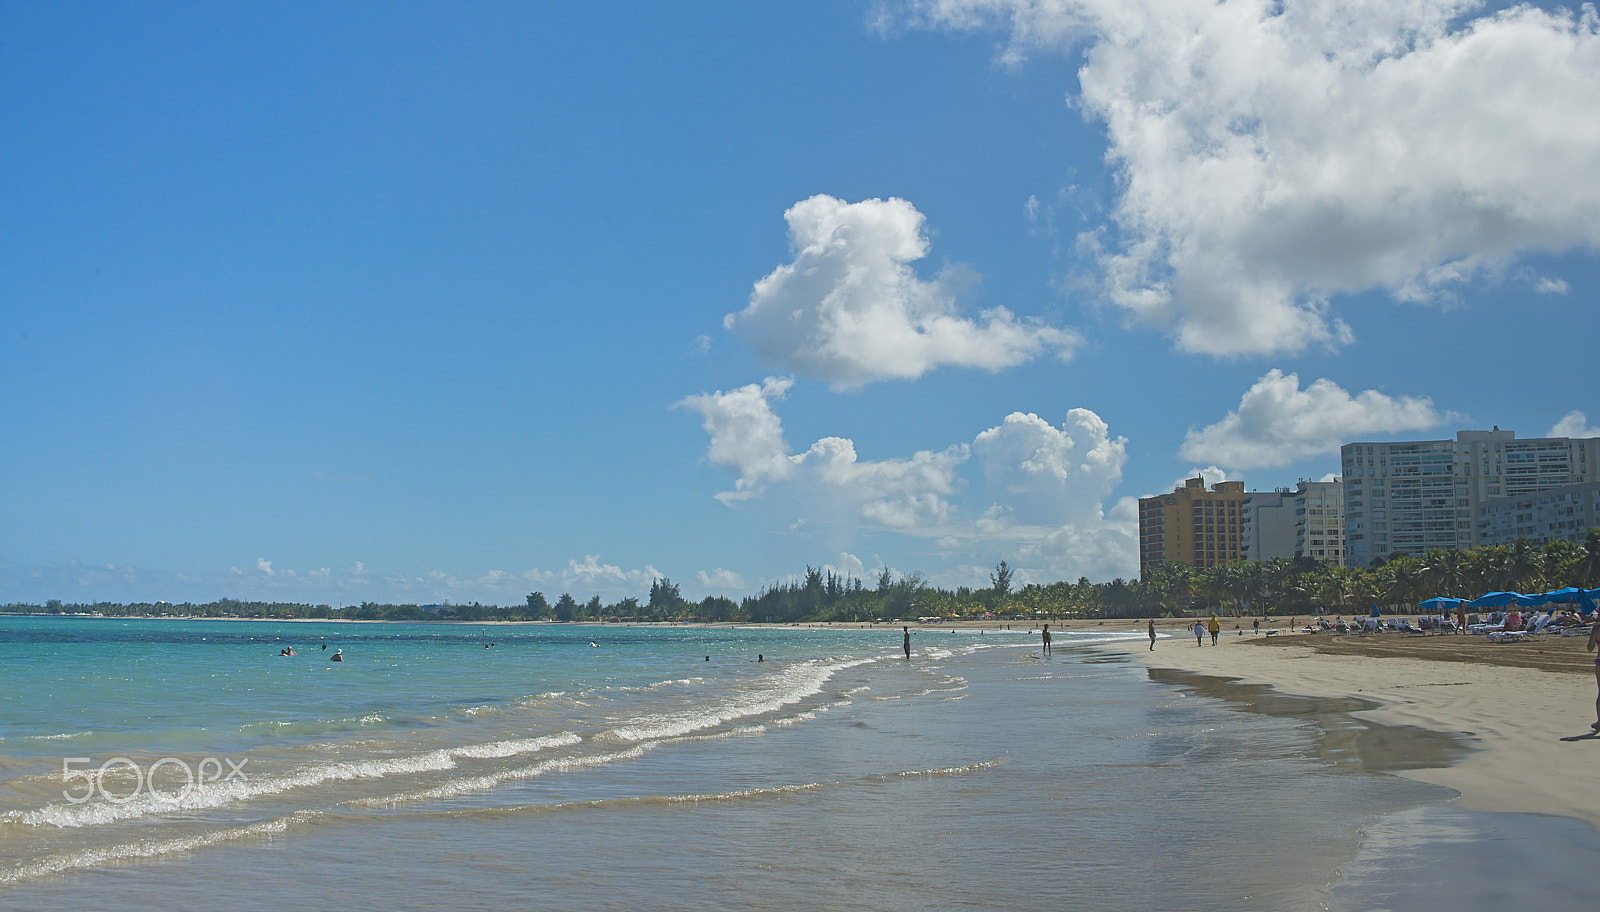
{"points": [[1046, 634], [1152, 634], [907, 641]]}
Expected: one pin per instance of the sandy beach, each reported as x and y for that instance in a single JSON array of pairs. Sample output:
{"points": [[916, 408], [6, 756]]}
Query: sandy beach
{"points": [[1525, 709]]}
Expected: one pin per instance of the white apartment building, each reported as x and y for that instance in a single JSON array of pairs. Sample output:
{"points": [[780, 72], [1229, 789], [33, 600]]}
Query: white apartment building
{"points": [[1306, 520], [1267, 525], [1406, 497], [1319, 521], [1566, 513]]}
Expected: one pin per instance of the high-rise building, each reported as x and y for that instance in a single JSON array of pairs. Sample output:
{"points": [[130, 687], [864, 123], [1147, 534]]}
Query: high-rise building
{"points": [[1566, 513], [1319, 521], [1192, 525], [1267, 525], [1406, 497]]}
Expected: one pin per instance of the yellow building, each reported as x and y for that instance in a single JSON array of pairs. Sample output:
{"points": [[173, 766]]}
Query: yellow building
{"points": [[1192, 525]]}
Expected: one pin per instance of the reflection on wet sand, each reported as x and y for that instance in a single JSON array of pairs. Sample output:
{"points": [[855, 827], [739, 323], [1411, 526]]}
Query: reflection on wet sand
{"points": [[1342, 740]]}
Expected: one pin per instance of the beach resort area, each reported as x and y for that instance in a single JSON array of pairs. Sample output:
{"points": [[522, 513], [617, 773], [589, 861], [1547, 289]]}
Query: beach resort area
{"points": [[854, 456]]}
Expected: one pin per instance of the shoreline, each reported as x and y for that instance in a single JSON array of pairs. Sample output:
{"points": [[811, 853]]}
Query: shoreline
{"points": [[1513, 719]]}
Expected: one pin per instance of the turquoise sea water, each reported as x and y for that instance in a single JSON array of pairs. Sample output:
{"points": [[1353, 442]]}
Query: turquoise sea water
{"points": [[428, 771]]}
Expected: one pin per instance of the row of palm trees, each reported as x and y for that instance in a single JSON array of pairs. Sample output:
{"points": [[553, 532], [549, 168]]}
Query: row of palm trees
{"points": [[1287, 585]]}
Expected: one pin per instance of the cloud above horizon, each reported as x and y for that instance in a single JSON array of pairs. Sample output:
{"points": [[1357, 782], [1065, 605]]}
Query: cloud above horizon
{"points": [[851, 310], [1278, 423], [1574, 424], [1040, 488], [1271, 154]]}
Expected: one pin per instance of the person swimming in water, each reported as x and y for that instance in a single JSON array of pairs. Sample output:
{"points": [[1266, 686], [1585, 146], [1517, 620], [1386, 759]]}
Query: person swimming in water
{"points": [[338, 656]]}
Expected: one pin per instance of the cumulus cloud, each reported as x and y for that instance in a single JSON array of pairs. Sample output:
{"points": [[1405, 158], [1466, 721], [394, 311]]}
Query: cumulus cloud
{"points": [[1039, 489], [851, 310], [1278, 423], [1548, 286], [1574, 424], [897, 494], [590, 573], [720, 580], [1274, 153], [1211, 474], [1043, 472], [746, 435]]}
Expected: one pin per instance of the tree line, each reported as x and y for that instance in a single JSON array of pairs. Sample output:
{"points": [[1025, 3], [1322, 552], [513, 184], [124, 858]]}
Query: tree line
{"points": [[1279, 586]]}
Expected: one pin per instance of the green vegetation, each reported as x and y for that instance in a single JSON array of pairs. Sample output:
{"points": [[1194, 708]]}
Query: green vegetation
{"points": [[1282, 586]]}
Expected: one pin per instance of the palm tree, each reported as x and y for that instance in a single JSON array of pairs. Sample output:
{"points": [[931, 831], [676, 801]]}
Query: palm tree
{"points": [[1560, 559], [1447, 571], [1172, 581], [1524, 569], [1235, 580], [1400, 581], [1588, 569], [1490, 567]]}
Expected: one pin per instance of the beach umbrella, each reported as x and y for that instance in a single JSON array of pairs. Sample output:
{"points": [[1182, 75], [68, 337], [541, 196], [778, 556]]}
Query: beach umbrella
{"points": [[1494, 600], [1570, 595], [1441, 604], [1586, 602], [1375, 609]]}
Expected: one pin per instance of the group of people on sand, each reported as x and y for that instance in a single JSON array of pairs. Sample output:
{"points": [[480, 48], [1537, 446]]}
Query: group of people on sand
{"points": [[1212, 626]]}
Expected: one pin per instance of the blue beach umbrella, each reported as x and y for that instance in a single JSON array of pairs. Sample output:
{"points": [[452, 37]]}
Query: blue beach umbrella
{"points": [[1440, 604], [1375, 609], [1571, 595], [1494, 600], [1586, 602]]}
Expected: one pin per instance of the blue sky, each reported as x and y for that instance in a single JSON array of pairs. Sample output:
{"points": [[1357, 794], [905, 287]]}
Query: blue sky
{"points": [[423, 303]]}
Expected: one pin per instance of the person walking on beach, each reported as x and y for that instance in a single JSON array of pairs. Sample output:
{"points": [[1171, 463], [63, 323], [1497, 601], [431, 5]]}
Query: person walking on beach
{"points": [[907, 641], [1199, 633], [1594, 643], [1046, 634], [1257, 624], [1152, 634], [1215, 626]]}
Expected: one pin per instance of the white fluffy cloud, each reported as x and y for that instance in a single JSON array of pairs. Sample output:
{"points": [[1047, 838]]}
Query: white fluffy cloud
{"points": [[721, 580], [1278, 423], [746, 435], [1046, 473], [851, 310], [1274, 153], [1574, 424], [1211, 474], [1041, 501]]}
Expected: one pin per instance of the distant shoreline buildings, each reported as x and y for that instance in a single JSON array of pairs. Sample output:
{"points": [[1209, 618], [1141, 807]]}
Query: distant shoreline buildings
{"points": [[1408, 497], [1396, 498]]}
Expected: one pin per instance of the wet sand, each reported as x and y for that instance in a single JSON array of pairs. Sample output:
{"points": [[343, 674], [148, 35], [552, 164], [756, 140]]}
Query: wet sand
{"points": [[1524, 709]]}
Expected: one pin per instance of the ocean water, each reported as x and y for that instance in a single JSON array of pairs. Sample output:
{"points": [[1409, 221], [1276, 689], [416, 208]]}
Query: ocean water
{"points": [[617, 768]]}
